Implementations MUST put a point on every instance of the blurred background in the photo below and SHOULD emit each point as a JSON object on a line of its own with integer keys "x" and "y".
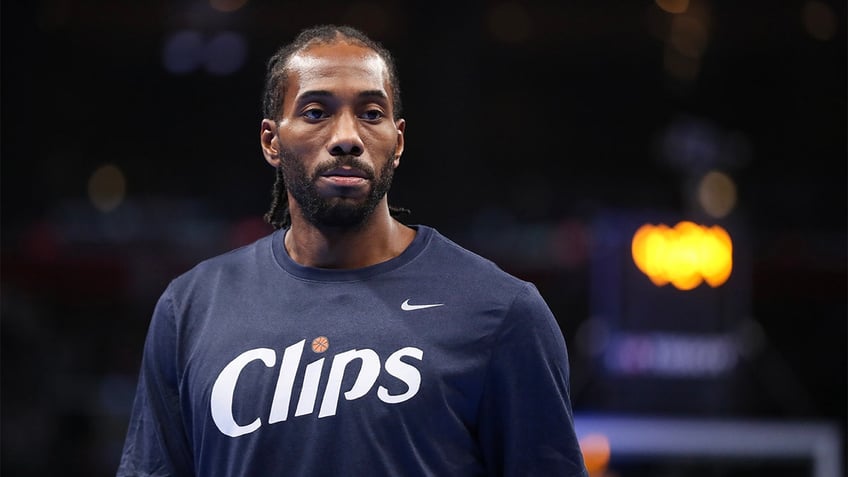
{"x": 593, "y": 148}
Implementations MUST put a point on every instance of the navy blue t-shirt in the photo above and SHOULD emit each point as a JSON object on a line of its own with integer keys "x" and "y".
{"x": 434, "y": 363}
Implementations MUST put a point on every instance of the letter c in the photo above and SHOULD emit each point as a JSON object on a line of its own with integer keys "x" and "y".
{"x": 225, "y": 386}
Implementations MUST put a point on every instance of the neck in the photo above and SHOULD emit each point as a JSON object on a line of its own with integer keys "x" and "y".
{"x": 379, "y": 239}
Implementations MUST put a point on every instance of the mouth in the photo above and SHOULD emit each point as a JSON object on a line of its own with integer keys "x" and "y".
{"x": 345, "y": 177}
{"x": 345, "y": 172}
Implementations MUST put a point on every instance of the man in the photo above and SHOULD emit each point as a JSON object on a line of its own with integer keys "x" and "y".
{"x": 347, "y": 343}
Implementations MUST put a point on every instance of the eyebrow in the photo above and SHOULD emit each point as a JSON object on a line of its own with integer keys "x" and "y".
{"x": 320, "y": 93}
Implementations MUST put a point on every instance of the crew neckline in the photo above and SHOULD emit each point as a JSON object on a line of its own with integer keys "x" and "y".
{"x": 281, "y": 256}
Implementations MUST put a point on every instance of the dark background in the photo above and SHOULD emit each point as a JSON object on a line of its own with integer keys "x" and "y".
{"x": 527, "y": 121}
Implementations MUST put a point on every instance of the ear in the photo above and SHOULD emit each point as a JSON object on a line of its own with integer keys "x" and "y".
{"x": 400, "y": 124}
{"x": 270, "y": 142}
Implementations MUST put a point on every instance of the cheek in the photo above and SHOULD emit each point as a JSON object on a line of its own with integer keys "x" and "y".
{"x": 300, "y": 143}
{"x": 381, "y": 143}
{"x": 304, "y": 149}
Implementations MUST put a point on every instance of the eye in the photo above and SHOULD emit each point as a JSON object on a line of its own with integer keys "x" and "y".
{"x": 372, "y": 115}
{"x": 314, "y": 114}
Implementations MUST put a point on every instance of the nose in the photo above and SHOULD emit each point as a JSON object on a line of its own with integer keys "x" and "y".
{"x": 345, "y": 139}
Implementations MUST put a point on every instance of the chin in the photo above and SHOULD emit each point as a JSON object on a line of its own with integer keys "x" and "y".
{"x": 342, "y": 214}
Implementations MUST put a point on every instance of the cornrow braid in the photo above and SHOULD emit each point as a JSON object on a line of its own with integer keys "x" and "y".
{"x": 278, "y": 216}
{"x": 399, "y": 212}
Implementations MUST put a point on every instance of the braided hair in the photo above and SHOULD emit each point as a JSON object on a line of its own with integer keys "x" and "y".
{"x": 276, "y": 77}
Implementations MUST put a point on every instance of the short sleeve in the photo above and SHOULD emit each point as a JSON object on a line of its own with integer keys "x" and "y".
{"x": 156, "y": 442}
{"x": 526, "y": 423}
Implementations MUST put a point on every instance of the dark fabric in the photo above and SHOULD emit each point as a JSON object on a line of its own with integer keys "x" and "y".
{"x": 232, "y": 385}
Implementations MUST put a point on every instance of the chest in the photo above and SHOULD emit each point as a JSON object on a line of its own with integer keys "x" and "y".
{"x": 347, "y": 355}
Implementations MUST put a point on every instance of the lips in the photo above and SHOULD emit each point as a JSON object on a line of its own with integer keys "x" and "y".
{"x": 345, "y": 177}
{"x": 345, "y": 172}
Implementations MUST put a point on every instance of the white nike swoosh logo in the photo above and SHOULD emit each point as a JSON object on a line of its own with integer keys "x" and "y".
{"x": 405, "y": 306}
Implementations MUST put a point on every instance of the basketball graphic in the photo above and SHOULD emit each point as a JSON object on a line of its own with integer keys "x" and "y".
{"x": 320, "y": 344}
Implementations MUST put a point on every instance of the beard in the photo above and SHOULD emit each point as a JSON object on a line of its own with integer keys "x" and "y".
{"x": 334, "y": 211}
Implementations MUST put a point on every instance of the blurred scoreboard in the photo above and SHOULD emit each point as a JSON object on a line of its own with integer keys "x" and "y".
{"x": 656, "y": 347}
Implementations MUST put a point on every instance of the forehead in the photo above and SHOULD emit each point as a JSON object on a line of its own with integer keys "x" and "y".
{"x": 337, "y": 68}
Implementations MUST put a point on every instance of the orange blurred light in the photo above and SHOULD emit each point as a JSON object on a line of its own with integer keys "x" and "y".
{"x": 673, "y": 6}
{"x": 717, "y": 262}
{"x": 596, "y": 453}
{"x": 683, "y": 260}
{"x": 639, "y": 247}
{"x": 686, "y": 255}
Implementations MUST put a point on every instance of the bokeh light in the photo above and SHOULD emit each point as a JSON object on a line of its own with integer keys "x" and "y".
{"x": 819, "y": 20}
{"x": 107, "y": 188}
{"x": 688, "y": 34}
{"x": 673, "y": 6}
{"x": 183, "y": 52}
{"x": 225, "y": 53}
{"x": 596, "y": 453}
{"x": 717, "y": 194}
{"x": 716, "y": 256}
{"x": 685, "y": 256}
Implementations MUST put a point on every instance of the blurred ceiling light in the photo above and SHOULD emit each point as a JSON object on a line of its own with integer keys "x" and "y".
{"x": 225, "y": 53}
{"x": 509, "y": 22}
{"x": 819, "y": 20}
{"x": 227, "y": 5}
{"x": 596, "y": 453}
{"x": 183, "y": 52}
{"x": 107, "y": 188}
{"x": 717, "y": 194}
{"x": 684, "y": 256}
{"x": 673, "y": 6}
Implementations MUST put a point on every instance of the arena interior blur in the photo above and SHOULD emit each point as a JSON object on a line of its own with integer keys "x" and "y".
{"x": 593, "y": 148}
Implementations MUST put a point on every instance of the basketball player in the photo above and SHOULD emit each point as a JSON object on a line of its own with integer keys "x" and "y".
{"x": 346, "y": 343}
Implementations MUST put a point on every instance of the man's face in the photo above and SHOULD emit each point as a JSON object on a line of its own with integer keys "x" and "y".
{"x": 336, "y": 141}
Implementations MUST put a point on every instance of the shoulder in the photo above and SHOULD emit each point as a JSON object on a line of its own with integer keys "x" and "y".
{"x": 470, "y": 264}
{"x": 474, "y": 279}
{"x": 450, "y": 256}
{"x": 246, "y": 259}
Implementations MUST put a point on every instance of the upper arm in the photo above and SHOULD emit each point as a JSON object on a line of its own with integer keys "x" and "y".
{"x": 526, "y": 424}
{"x": 156, "y": 443}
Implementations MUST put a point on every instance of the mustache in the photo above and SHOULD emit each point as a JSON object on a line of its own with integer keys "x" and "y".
{"x": 345, "y": 161}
